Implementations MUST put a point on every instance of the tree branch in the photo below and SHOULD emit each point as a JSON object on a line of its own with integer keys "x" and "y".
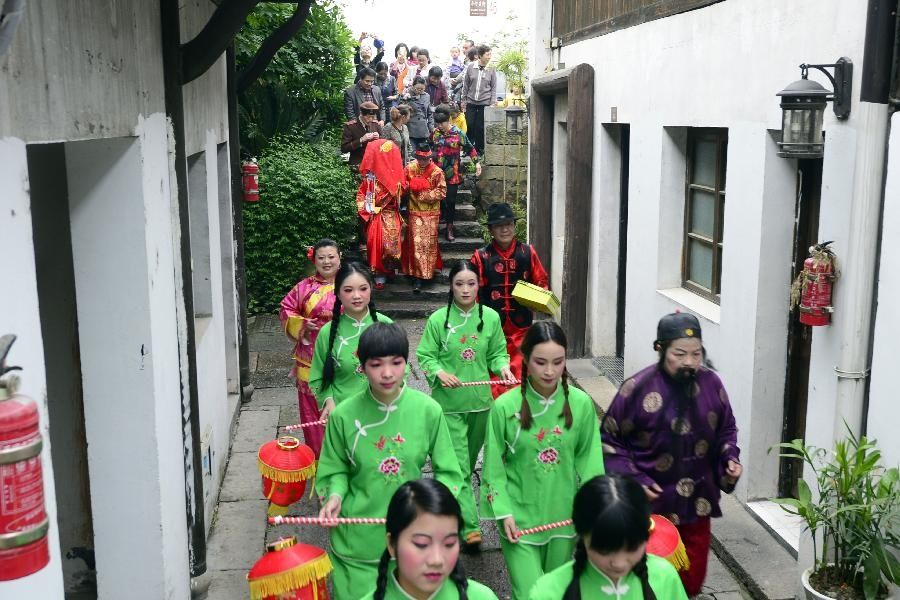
{"x": 199, "y": 54}
{"x": 273, "y": 44}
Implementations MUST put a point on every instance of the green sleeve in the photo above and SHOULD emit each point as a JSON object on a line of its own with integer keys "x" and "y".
{"x": 589, "y": 450}
{"x": 443, "y": 455}
{"x": 664, "y": 579}
{"x": 497, "y": 356}
{"x": 318, "y": 364}
{"x": 478, "y": 591}
{"x": 333, "y": 472}
{"x": 429, "y": 349}
{"x": 494, "y": 497}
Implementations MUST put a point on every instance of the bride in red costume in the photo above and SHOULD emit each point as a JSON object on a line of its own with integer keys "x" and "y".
{"x": 378, "y": 203}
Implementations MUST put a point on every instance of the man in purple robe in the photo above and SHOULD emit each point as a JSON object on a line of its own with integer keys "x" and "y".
{"x": 671, "y": 428}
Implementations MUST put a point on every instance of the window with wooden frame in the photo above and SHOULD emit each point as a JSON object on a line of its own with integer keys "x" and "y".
{"x": 704, "y": 210}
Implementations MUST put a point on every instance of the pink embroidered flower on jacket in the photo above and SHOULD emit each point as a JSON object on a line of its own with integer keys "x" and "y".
{"x": 548, "y": 456}
{"x": 467, "y": 354}
{"x": 390, "y": 466}
{"x": 380, "y": 443}
{"x": 540, "y": 435}
{"x": 556, "y": 431}
{"x": 399, "y": 438}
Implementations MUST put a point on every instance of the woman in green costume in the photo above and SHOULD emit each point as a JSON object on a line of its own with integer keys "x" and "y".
{"x": 424, "y": 524}
{"x": 375, "y": 441}
{"x": 335, "y": 373}
{"x": 612, "y": 518}
{"x": 543, "y": 440}
{"x": 464, "y": 342}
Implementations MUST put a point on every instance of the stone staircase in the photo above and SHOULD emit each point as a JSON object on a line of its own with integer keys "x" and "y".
{"x": 397, "y": 299}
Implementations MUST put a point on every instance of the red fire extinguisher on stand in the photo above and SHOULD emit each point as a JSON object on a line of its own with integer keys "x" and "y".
{"x": 813, "y": 286}
{"x": 250, "y": 180}
{"x": 23, "y": 520}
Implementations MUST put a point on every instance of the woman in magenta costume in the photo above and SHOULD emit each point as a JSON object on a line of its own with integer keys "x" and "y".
{"x": 304, "y": 310}
{"x": 378, "y": 203}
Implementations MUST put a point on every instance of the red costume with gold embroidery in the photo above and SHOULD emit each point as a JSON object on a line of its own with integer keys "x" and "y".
{"x": 378, "y": 203}
{"x": 427, "y": 187}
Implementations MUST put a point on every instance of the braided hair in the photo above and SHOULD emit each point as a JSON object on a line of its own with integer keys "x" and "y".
{"x": 346, "y": 270}
{"x": 457, "y": 268}
{"x": 614, "y": 511}
{"x": 413, "y": 498}
{"x": 539, "y": 333}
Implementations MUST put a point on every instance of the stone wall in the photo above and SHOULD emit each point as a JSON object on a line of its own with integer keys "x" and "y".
{"x": 504, "y": 176}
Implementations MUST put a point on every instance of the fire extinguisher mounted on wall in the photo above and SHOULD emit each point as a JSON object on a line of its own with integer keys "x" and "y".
{"x": 812, "y": 289}
{"x": 250, "y": 180}
{"x": 23, "y": 520}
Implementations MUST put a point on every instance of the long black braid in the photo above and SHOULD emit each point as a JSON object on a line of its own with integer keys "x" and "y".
{"x": 641, "y": 571}
{"x": 573, "y": 592}
{"x": 458, "y": 576}
{"x": 346, "y": 270}
{"x": 381, "y": 581}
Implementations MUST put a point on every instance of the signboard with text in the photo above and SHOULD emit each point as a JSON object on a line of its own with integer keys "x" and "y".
{"x": 478, "y": 8}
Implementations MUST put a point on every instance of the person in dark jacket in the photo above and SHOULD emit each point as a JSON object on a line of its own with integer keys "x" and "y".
{"x": 436, "y": 89}
{"x": 363, "y": 90}
{"x": 421, "y": 124}
{"x": 357, "y": 133}
{"x": 388, "y": 86}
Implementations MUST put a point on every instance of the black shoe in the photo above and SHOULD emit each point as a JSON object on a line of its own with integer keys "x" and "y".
{"x": 417, "y": 286}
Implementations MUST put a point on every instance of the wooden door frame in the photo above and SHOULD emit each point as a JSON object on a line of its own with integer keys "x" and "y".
{"x": 578, "y": 84}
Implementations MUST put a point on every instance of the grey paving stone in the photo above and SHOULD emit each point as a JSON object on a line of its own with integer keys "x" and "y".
{"x": 270, "y": 379}
{"x": 229, "y": 585}
{"x": 256, "y": 427}
{"x": 290, "y": 415}
{"x": 242, "y": 479}
{"x": 236, "y": 541}
{"x": 280, "y": 396}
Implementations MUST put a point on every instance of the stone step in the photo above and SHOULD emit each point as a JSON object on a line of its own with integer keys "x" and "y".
{"x": 464, "y": 229}
{"x": 402, "y": 309}
{"x": 461, "y": 243}
{"x": 464, "y": 212}
{"x": 401, "y": 289}
{"x": 450, "y": 256}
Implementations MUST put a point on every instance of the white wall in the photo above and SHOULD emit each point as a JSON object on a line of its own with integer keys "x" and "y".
{"x": 124, "y": 262}
{"x": 560, "y": 174}
{"x": 19, "y": 315}
{"x": 882, "y": 393}
{"x": 721, "y": 66}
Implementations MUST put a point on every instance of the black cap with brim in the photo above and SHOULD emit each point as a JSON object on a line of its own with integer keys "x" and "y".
{"x": 500, "y": 212}
{"x": 677, "y": 326}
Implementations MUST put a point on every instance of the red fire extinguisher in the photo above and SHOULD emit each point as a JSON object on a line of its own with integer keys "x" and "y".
{"x": 23, "y": 520}
{"x": 815, "y": 283}
{"x": 250, "y": 180}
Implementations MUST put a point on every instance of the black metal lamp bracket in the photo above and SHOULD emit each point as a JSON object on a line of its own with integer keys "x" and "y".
{"x": 841, "y": 82}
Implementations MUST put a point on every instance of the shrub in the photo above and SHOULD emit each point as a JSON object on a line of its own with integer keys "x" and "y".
{"x": 306, "y": 193}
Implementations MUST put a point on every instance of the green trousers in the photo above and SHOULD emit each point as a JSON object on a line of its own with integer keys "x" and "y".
{"x": 352, "y": 579}
{"x": 526, "y": 563}
{"x": 467, "y": 431}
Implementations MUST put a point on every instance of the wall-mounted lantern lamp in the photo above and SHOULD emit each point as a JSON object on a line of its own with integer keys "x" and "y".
{"x": 803, "y": 108}
{"x": 514, "y": 117}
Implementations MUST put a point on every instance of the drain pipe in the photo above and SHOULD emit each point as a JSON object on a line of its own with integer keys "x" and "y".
{"x": 187, "y": 345}
{"x": 860, "y": 273}
{"x": 890, "y": 88}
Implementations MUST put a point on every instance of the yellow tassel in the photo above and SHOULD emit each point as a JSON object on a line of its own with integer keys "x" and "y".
{"x": 277, "y": 511}
{"x": 283, "y": 476}
{"x": 299, "y": 577}
{"x": 679, "y": 558}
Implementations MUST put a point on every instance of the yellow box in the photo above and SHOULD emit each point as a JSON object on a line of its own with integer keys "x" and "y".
{"x": 536, "y": 297}
{"x": 294, "y": 324}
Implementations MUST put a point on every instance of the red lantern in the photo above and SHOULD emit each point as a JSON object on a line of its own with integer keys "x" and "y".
{"x": 290, "y": 571}
{"x": 250, "y": 180}
{"x": 285, "y": 465}
{"x": 23, "y": 520}
{"x": 665, "y": 541}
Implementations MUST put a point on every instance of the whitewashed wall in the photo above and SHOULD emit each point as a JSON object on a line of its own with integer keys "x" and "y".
{"x": 719, "y": 66}
{"x": 19, "y": 315}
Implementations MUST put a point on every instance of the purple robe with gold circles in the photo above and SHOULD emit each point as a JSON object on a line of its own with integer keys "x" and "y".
{"x": 658, "y": 431}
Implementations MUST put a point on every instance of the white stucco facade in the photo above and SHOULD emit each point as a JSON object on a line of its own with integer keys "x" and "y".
{"x": 720, "y": 67}
{"x": 100, "y": 97}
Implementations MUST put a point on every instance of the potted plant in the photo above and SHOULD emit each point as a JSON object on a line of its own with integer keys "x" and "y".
{"x": 853, "y": 516}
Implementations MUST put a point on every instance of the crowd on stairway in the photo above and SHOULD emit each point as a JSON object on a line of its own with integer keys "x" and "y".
{"x": 414, "y": 132}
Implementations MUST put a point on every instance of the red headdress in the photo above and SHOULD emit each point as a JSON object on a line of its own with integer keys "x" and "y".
{"x": 382, "y": 159}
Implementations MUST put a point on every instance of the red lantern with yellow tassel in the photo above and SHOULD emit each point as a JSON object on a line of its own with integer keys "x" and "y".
{"x": 665, "y": 541}
{"x": 285, "y": 464}
{"x": 290, "y": 571}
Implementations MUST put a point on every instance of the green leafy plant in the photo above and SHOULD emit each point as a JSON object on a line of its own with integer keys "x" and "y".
{"x": 513, "y": 63}
{"x": 853, "y": 516}
{"x": 301, "y": 91}
{"x": 306, "y": 194}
